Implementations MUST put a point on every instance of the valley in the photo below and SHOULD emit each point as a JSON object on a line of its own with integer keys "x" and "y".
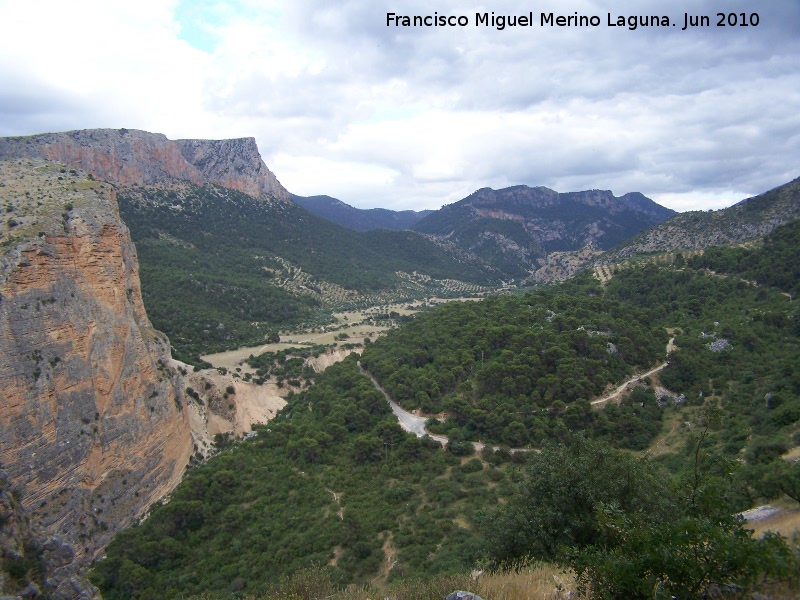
{"x": 250, "y": 421}
{"x": 348, "y": 329}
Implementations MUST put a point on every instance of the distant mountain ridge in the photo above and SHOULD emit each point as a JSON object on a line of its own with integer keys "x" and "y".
{"x": 360, "y": 219}
{"x": 695, "y": 230}
{"x": 516, "y": 227}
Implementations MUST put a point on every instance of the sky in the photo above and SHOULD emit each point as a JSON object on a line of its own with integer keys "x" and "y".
{"x": 378, "y": 115}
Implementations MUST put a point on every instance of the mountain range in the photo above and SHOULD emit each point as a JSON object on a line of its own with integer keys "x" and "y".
{"x": 358, "y": 218}
{"x": 94, "y": 422}
{"x": 513, "y": 229}
{"x": 214, "y": 229}
{"x": 517, "y": 227}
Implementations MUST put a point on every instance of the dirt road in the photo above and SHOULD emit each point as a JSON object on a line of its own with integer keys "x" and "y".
{"x": 635, "y": 379}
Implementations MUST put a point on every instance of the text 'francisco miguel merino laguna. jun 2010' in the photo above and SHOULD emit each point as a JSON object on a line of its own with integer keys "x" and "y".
{"x": 552, "y": 20}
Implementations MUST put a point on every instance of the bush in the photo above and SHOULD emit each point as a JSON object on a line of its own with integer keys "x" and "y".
{"x": 472, "y": 466}
{"x": 613, "y": 520}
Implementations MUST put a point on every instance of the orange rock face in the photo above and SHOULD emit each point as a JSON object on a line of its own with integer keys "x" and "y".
{"x": 131, "y": 157}
{"x": 93, "y": 427}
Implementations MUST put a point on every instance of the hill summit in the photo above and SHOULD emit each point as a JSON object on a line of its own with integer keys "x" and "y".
{"x": 515, "y": 228}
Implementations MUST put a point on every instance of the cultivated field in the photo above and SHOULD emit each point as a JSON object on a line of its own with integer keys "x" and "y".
{"x": 350, "y": 327}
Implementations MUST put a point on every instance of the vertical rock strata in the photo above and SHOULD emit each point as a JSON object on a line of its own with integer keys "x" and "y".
{"x": 93, "y": 427}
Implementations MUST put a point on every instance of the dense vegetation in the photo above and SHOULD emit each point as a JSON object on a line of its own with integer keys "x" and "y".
{"x": 517, "y": 370}
{"x": 331, "y": 480}
{"x": 520, "y": 370}
{"x": 211, "y": 260}
{"x": 774, "y": 264}
{"x": 738, "y": 351}
{"x": 628, "y": 530}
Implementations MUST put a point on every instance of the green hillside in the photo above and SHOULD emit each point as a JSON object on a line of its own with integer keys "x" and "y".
{"x": 516, "y": 370}
{"x": 358, "y": 218}
{"x": 333, "y": 484}
{"x": 746, "y": 220}
{"x": 774, "y": 264}
{"x": 333, "y": 480}
{"x": 219, "y": 269}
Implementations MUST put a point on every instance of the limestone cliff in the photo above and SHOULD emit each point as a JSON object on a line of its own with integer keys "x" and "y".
{"x": 130, "y": 157}
{"x": 93, "y": 427}
{"x": 33, "y": 564}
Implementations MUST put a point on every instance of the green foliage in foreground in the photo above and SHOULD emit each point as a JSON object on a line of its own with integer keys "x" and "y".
{"x": 268, "y": 507}
{"x": 331, "y": 480}
{"x": 315, "y": 582}
{"x": 628, "y": 531}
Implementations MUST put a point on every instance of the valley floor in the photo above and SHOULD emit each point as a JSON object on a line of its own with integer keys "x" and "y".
{"x": 351, "y": 326}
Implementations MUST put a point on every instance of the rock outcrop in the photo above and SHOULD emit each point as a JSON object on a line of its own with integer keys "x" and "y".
{"x": 32, "y": 564}
{"x": 93, "y": 424}
{"x": 130, "y": 157}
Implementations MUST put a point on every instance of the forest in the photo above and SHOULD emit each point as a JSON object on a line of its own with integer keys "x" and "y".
{"x": 329, "y": 481}
{"x": 334, "y": 481}
{"x": 773, "y": 264}
{"x": 516, "y": 370}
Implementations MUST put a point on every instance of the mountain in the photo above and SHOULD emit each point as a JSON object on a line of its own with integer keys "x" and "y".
{"x": 358, "y": 218}
{"x": 748, "y": 219}
{"x": 93, "y": 427}
{"x": 226, "y": 256}
{"x": 129, "y": 157}
{"x": 517, "y": 227}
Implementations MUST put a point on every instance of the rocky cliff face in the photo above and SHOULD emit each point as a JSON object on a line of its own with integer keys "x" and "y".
{"x": 93, "y": 426}
{"x": 33, "y": 564}
{"x": 130, "y": 157}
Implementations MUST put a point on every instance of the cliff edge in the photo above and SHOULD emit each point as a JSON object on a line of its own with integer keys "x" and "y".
{"x": 93, "y": 426}
{"x": 129, "y": 157}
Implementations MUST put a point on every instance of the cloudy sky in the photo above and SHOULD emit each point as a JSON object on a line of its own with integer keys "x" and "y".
{"x": 416, "y": 117}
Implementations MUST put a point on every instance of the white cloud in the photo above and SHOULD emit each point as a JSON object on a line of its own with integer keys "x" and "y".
{"x": 341, "y": 176}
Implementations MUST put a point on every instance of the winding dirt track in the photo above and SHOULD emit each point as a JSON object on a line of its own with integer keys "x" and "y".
{"x": 410, "y": 422}
{"x": 620, "y": 388}
{"x": 416, "y": 425}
